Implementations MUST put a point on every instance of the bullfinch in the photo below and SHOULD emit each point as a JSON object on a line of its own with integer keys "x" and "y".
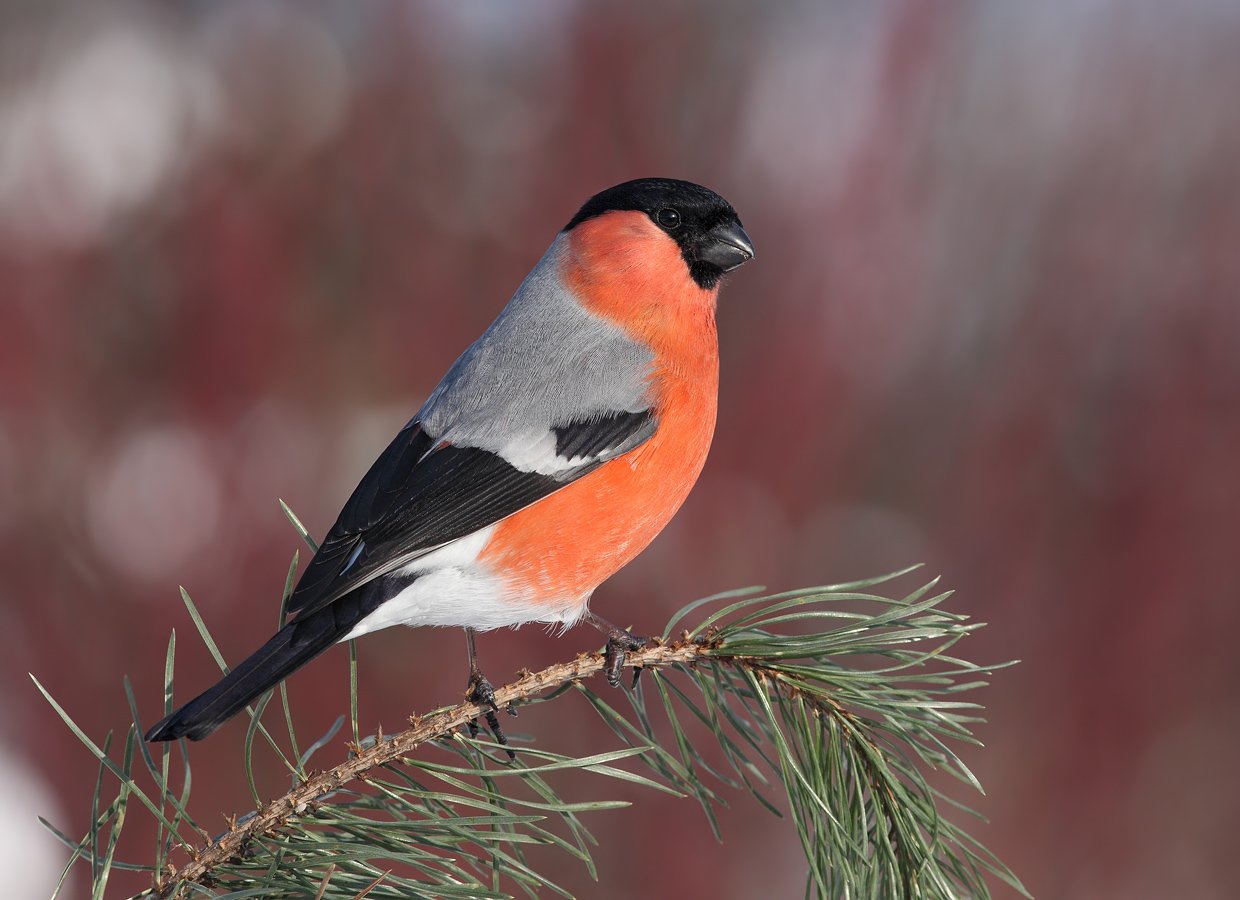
{"x": 556, "y": 448}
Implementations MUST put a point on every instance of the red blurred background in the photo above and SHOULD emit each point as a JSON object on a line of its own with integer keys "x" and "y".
{"x": 993, "y": 325}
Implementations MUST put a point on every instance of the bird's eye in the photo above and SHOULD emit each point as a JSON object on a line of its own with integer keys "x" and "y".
{"x": 668, "y": 218}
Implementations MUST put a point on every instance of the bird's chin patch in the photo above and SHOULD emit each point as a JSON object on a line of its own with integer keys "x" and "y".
{"x": 705, "y": 275}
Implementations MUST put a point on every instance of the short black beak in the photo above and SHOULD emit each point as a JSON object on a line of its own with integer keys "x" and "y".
{"x": 726, "y": 246}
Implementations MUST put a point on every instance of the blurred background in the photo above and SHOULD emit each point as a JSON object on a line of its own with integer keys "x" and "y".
{"x": 993, "y": 325}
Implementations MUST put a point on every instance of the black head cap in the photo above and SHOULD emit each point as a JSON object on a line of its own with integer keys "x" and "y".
{"x": 703, "y": 224}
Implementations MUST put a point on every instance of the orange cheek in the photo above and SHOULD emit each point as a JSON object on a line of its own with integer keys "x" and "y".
{"x": 626, "y": 269}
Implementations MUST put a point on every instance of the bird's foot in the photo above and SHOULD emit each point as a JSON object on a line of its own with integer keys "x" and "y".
{"x": 482, "y": 692}
{"x": 619, "y": 642}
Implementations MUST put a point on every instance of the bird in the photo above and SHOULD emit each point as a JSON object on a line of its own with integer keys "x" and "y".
{"x": 554, "y": 450}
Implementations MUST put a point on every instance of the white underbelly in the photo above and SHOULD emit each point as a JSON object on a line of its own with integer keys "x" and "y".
{"x": 453, "y": 588}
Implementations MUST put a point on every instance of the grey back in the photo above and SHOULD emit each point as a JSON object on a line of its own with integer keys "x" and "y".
{"x": 546, "y": 361}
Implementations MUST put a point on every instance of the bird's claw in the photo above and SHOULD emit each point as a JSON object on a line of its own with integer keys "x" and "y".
{"x": 482, "y": 692}
{"x": 618, "y": 644}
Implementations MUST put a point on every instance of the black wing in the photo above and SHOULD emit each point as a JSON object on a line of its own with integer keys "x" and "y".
{"x": 595, "y": 436}
{"x": 420, "y": 495}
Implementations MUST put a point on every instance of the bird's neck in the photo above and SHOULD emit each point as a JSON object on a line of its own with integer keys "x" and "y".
{"x": 642, "y": 286}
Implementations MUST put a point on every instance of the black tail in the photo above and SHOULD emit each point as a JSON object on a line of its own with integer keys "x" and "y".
{"x": 292, "y": 647}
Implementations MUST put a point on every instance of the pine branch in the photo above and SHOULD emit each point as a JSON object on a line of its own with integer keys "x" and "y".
{"x": 391, "y": 749}
{"x": 845, "y": 697}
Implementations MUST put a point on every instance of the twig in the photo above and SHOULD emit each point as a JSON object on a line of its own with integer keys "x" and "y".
{"x": 296, "y": 801}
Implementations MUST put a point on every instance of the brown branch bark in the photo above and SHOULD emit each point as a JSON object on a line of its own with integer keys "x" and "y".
{"x": 421, "y": 730}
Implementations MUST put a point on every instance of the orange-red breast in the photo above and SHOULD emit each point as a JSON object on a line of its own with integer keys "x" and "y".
{"x": 554, "y": 450}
